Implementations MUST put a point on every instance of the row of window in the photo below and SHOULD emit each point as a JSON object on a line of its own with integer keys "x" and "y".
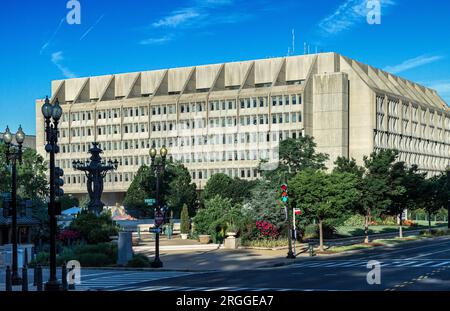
{"x": 219, "y": 139}
{"x": 392, "y": 110}
{"x": 253, "y": 102}
{"x": 195, "y": 174}
{"x": 279, "y": 118}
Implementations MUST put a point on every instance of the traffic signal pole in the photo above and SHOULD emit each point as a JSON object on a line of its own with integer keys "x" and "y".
{"x": 284, "y": 199}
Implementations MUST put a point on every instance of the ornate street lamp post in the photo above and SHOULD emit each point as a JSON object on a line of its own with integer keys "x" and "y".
{"x": 14, "y": 154}
{"x": 448, "y": 196}
{"x": 158, "y": 170}
{"x": 95, "y": 171}
{"x": 52, "y": 114}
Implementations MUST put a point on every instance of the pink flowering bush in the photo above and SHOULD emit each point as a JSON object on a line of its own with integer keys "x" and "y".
{"x": 267, "y": 230}
{"x": 66, "y": 236}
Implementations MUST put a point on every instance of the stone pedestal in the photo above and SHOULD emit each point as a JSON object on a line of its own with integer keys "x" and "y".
{"x": 232, "y": 242}
{"x": 124, "y": 248}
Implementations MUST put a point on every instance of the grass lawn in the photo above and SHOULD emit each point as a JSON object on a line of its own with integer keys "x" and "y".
{"x": 349, "y": 231}
{"x": 375, "y": 243}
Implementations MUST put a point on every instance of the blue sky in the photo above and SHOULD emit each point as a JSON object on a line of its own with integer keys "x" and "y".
{"x": 38, "y": 45}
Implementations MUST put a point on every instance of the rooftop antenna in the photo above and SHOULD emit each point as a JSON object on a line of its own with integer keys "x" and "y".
{"x": 308, "y": 48}
{"x": 289, "y": 51}
{"x": 316, "y": 49}
{"x": 304, "y": 48}
{"x": 293, "y": 41}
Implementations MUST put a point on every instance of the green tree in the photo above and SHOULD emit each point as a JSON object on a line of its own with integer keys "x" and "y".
{"x": 68, "y": 201}
{"x": 218, "y": 215}
{"x": 405, "y": 189}
{"x": 235, "y": 189}
{"x": 264, "y": 204}
{"x": 375, "y": 185}
{"x": 139, "y": 190}
{"x": 345, "y": 165}
{"x": 31, "y": 174}
{"x": 184, "y": 227}
{"x": 218, "y": 184}
{"x": 295, "y": 155}
{"x": 433, "y": 197}
{"x": 176, "y": 189}
{"x": 181, "y": 190}
{"x": 324, "y": 196}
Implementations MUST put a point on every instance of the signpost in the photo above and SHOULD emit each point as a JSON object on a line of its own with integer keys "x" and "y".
{"x": 150, "y": 202}
{"x": 296, "y": 212}
{"x": 156, "y": 230}
{"x": 159, "y": 218}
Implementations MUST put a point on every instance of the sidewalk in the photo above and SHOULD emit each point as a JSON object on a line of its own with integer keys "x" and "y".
{"x": 188, "y": 255}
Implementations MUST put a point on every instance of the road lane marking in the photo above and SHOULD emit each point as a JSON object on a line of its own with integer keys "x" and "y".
{"x": 441, "y": 264}
{"x": 405, "y": 264}
{"x": 423, "y": 264}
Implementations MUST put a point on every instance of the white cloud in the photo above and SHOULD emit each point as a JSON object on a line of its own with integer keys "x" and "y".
{"x": 347, "y": 15}
{"x": 413, "y": 63}
{"x": 199, "y": 14}
{"x": 57, "y": 59}
{"x": 156, "y": 41}
{"x": 177, "y": 18}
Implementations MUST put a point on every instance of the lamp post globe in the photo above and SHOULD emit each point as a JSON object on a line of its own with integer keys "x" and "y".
{"x": 57, "y": 111}
{"x": 20, "y": 136}
{"x": 152, "y": 152}
{"x": 163, "y": 151}
{"x": 47, "y": 109}
{"x": 7, "y": 137}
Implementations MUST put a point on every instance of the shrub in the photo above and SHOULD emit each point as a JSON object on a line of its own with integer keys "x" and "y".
{"x": 354, "y": 221}
{"x": 139, "y": 261}
{"x": 67, "y": 236}
{"x": 184, "y": 226}
{"x": 267, "y": 230}
{"x": 88, "y": 256}
{"x": 409, "y": 223}
{"x": 42, "y": 258}
{"x": 95, "y": 260}
{"x": 215, "y": 217}
{"x": 311, "y": 231}
{"x": 267, "y": 243}
{"x": 94, "y": 229}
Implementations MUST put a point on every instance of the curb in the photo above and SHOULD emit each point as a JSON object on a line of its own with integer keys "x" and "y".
{"x": 142, "y": 269}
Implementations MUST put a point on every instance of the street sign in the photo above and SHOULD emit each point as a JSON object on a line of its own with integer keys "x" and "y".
{"x": 159, "y": 218}
{"x": 150, "y": 202}
{"x": 297, "y": 211}
{"x": 156, "y": 230}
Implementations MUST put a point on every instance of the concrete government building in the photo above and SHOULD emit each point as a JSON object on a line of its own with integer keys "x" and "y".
{"x": 226, "y": 117}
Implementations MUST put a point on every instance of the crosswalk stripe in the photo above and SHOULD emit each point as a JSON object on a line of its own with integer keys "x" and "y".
{"x": 441, "y": 264}
{"x": 405, "y": 264}
{"x": 423, "y": 264}
{"x": 336, "y": 264}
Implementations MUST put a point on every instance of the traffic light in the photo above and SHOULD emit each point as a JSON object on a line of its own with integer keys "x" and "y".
{"x": 59, "y": 182}
{"x": 284, "y": 194}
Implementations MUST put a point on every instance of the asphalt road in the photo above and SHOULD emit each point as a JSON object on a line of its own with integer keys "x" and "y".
{"x": 421, "y": 265}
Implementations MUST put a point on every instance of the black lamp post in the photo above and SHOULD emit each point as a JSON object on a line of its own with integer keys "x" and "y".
{"x": 14, "y": 154}
{"x": 158, "y": 170}
{"x": 448, "y": 196}
{"x": 52, "y": 114}
{"x": 95, "y": 171}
